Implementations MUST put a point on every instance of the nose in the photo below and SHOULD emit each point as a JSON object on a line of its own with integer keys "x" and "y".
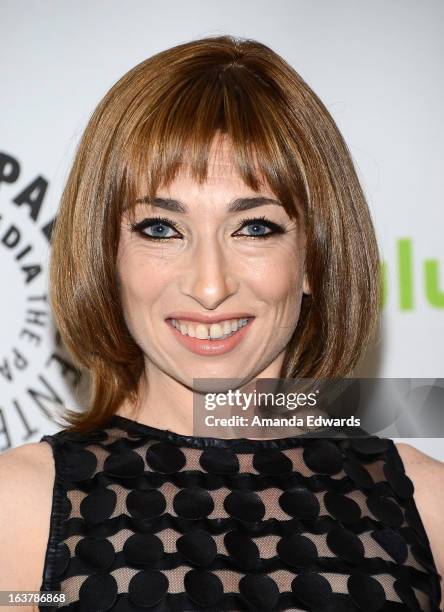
{"x": 208, "y": 278}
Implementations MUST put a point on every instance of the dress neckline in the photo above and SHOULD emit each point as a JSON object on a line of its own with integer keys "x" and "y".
{"x": 142, "y": 429}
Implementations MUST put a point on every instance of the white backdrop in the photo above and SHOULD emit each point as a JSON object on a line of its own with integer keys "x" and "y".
{"x": 377, "y": 67}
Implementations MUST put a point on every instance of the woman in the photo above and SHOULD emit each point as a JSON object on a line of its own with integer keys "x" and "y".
{"x": 213, "y": 226}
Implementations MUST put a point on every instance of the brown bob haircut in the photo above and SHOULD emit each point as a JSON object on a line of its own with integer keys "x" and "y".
{"x": 164, "y": 111}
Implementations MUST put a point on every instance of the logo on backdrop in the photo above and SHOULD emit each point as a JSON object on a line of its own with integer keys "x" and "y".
{"x": 36, "y": 375}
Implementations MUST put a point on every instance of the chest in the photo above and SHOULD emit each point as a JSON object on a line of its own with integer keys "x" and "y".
{"x": 151, "y": 523}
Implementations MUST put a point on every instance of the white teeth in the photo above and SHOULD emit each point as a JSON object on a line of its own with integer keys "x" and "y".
{"x": 217, "y": 331}
{"x": 223, "y": 329}
{"x": 227, "y": 328}
{"x": 201, "y": 331}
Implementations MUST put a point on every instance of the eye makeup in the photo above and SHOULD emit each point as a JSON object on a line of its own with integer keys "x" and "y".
{"x": 150, "y": 222}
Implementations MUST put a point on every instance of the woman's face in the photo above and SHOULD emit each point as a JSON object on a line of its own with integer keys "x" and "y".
{"x": 210, "y": 262}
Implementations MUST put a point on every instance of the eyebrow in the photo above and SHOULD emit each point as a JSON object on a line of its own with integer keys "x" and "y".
{"x": 237, "y": 205}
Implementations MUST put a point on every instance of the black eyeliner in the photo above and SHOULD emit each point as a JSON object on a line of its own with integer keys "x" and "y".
{"x": 276, "y": 227}
{"x": 152, "y": 221}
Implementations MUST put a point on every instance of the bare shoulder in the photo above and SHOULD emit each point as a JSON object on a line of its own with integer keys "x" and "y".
{"x": 26, "y": 483}
{"x": 31, "y": 454}
{"x": 427, "y": 475}
{"x": 413, "y": 453}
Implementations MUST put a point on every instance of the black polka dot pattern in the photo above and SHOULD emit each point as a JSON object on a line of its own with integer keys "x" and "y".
{"x": 407, "y": 595}
{"x": 219, "y": 460}
{"x": 165, "y": 457}
{"x": 393, "y": 543}
{"x": 148, "y": 587}
{"x": 198, "y": 547}
{"x": 204, "y": 587}
{"x": 386, "y": 510}
{"x": 79, "y": 465}
{"x": 245, "y": 505}
{"x": 297, "y": 550}
{"x": 98, "y": 553}
{"x": 98, "y": 588}
{"x": 343, "y": 508}
{"x": 193, "y": 503}
{"x": 143, "y": 548}
{"x": 98, "y": 505}
{"x": 366, "y": 592}
{"x": 300, "y": 503}
{"x": 345, "y": 544}
{"x": 145, "y": 519}
{"x": 242, "y": 549}
{"x": 400, "y": 483}
{"x": 260, "y": 591}
{"x": 312, "y": 589}
{"x": 127, "y": 464}
{"x": 145, "y": 503}
{"x": 268, "y": 461}
{"x": 358, "y": 474}
{"x": 323, "y": 457}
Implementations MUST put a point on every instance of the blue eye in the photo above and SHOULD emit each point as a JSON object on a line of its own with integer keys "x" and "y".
{"x": 159, "y": 230}
{"x": 159, "y": 227}
{"x": 255, "y": 225}
{"x": 258, "y": 225}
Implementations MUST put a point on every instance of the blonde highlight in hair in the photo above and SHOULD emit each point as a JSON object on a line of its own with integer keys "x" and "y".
{"x": 165, "y": 112}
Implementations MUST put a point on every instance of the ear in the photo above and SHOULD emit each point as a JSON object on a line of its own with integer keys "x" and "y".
{"x": 305, "y": 286}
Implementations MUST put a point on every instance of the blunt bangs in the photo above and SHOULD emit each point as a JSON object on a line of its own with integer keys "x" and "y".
{"x": 180, "y": 132}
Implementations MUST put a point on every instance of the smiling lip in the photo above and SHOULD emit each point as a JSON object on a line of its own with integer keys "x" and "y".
{"x": 207, "y": 318}
{"x": 211, "y": 348}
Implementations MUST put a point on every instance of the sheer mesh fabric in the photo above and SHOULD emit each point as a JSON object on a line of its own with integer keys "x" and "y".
{"x": 148, "y": 519}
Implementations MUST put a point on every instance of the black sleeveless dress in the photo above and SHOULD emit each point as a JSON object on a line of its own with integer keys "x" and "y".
{"x": 147, "y": 519}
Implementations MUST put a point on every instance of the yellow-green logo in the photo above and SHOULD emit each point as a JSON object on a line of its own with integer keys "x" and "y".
{"x": 405, "y": 278}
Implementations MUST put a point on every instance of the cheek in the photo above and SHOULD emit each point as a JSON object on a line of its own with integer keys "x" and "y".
{"x": 278, "y": 275}
{"x": 141, "y": 282}
{"x": 137, "y": 295}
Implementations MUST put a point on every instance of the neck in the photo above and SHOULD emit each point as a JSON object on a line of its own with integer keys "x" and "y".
{"x": 166, "y": 403}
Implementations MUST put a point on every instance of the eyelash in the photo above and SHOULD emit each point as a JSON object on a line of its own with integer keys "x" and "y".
{"x": 152, "y": 221}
